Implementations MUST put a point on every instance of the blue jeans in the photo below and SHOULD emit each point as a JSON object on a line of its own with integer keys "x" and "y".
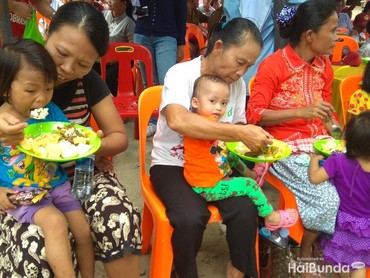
{"x": 163, "y": 50}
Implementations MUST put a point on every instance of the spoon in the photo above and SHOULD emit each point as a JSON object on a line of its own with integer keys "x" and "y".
{"x": 336, "y": 131}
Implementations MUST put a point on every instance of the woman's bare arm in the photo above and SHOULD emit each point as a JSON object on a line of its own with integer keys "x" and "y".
{"x": 190, "y": 124}
{"x": 322, "y": 110}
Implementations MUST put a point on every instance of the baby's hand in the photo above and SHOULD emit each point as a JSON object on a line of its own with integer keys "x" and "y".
{"x": 4, "y": 201}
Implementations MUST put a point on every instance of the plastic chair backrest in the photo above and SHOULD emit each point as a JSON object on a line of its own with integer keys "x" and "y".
{"x": 193, "y": 29}
{"x": 347, "y": 87}
{"x": 127, "y": 54}
{"x": 154, "y": 213}
{"x": 340, "y": 44}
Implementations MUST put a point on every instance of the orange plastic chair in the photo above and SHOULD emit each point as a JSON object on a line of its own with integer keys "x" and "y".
{"x": 347, "y": 87}
{"x": 193, "y": 29}
{"x": 342, "y": 30}
{"x": 154, "y": 219}
{"x": 340, "y": 44}
{"x": 127, "y": 54}
{"x": 287, "y": 200}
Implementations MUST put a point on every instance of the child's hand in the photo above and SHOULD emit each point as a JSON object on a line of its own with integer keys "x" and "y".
{"x": 316, "y": 157}
{"x": 4, "y": 201}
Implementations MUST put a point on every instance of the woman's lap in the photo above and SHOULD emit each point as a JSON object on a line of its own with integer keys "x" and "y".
{"x": 317, "y": 203}
{"x": 114, "y": 220}
{"x": 115, "y": 224}
{"x": 22, "y": 250}
{"x": 239, "y": 214}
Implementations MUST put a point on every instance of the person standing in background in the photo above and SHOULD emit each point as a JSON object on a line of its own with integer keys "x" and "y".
{"x": 5, "y": 29}
{"x": 21, "y": 11}
{"x": 160, "y": 27}
{"x": 121, "y": 29}
{"x": 206, "y": 8}
{"x": 261, "y": 13}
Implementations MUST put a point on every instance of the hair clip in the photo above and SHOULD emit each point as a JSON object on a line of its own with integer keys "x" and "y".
{"x": 286, "y": 14}
{"x": 223, "y": 25}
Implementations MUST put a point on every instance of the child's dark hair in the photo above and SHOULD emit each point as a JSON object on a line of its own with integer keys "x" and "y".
{"x": 366, "y": 80}
{"x": 19, "y": 53}
{"x": 209, "y": 77}
{"x": 85, "y": 17}
{"x": 357, "y": 136}
{"x": 233, "y": 32}
{"x": 310, "y": 15}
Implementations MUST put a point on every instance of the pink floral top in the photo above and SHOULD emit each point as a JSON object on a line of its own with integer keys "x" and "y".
{"x": 285, "y": 81}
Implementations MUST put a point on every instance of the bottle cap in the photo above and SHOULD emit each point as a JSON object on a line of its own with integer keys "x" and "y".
{"x": 265, "y": 232}
{"x": 284, "y": 232}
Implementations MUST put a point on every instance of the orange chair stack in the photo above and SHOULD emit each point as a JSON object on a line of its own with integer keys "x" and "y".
{"x": 193, "y": 30}
{"x": 342, "y": 42}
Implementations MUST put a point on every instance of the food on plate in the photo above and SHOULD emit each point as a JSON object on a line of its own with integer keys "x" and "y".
{"x": 244, "y": 150}
{"x": 66, "y": 141}
{"x": 39, "y": 113}
{"x": 334, "y": 146}
{"x": 274, "y": 151}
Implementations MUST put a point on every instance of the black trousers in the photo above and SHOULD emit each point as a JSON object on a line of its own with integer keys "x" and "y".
{"x": 188, "y": 215}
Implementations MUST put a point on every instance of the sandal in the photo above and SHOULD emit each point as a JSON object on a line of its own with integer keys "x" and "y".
{"x": 285, "y": 220}
{"x": 261, "y": 169}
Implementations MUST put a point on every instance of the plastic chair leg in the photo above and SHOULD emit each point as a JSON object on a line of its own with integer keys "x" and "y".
{"x": 147, "y": 229}
{"x": 136, "y": 134}
{"x": 162, "y": 256}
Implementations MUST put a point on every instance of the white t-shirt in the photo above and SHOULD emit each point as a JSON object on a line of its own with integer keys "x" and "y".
{"x": 178, "y": 89}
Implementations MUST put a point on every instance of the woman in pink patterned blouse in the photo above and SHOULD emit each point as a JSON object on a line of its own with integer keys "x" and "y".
{"x": 291, "y": 98}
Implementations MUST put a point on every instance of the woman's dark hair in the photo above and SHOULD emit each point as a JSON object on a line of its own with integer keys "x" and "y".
{"x": 357, "y": 136}
{"x": 85, "y": 17}
{"x": 233, "y": 33}
{"x": 310, "y": 15}
{"x": 366, "y": 79}
{"x": 21, "y": 53}
{"x": 366, "y": 8}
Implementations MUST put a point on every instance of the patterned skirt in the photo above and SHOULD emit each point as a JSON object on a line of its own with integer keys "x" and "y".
{"x": 317, "y": 203}
{"x": 350, "y": 243}
{"x": 114, "y": 221}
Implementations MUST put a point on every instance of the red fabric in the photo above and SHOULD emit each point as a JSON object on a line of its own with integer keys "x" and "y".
{"x": 285, "y": 81}
{"x": 18, "y": 23}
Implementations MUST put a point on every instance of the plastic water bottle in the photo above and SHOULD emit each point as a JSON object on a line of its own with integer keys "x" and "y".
{"x": 83, "y": 180}
{"x": 279, "y": 237}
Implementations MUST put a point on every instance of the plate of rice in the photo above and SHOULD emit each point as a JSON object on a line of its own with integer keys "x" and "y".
{"x": 59, "y": 141}
{"x": 327, "y": 146}
{"x": 278, "y": 150}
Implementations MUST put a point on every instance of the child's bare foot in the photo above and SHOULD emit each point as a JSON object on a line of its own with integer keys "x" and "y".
{"x": 281, "y": 219}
